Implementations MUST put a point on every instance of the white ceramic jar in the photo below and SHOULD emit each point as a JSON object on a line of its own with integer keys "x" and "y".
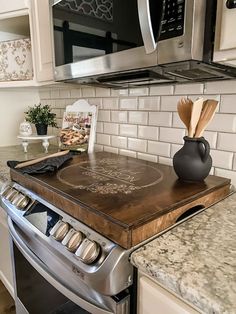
{"x": 25, "y": 129}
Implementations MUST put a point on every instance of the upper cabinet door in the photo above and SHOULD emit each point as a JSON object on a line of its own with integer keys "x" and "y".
{"x": 15, "y": 5}
{"x": 225, "y": 42}
{"x": 41, "y": 38}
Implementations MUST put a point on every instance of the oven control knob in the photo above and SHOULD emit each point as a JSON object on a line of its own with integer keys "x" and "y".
{"x": 5, "y": 190}
{"x": 11, "y": 194}
{"x": 88, "y": 251}
{"x": 20, "y": 201}
{"x": 60, "y": 230}
{"x": 75, "y": 241}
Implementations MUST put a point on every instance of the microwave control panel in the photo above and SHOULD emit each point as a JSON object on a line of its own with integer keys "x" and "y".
{"x": 173, "y": 20}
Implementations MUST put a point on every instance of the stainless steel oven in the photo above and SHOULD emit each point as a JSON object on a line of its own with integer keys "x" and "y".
{"x": 116, "y": 43}
{"x": 62, "y": 266}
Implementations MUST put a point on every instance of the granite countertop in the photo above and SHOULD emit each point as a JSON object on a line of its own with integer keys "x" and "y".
{"x": 197, "y": 259}
{"x": 16, "y": 153}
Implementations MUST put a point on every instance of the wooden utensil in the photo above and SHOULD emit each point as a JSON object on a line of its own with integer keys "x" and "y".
{"x": 184, "y": 108}
{"x": 208, "y": 111}
{"x": 35, "y": 161}
{"x": 195, "y": 115}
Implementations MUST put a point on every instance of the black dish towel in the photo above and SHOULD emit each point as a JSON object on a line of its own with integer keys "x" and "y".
{"x": 48, "y": 165}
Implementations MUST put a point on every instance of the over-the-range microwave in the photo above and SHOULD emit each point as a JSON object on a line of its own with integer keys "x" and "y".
{"x": 123, "y": 43}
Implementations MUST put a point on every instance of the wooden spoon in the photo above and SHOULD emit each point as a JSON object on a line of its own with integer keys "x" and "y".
{"x": 184, "y": 108}
{"x": 196, "y": 113}
{"x": 208, "y": 111}
{"x": 35, "y": 161}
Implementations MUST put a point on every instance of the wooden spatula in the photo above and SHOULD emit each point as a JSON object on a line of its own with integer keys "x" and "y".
{"x": 35, "y": 161}
{"x": 196, "y": 113}
{"x": 184, "y": 108}
{"x": 208, "y": 111}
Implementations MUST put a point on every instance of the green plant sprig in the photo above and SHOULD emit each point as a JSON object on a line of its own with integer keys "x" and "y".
{"x": 41, "y": 114}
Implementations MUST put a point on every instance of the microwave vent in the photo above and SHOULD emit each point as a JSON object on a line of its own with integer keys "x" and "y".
{"x": 196, "y": 74}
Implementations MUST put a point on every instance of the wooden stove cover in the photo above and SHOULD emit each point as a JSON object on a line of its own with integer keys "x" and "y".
{"x": 125, "y": 199}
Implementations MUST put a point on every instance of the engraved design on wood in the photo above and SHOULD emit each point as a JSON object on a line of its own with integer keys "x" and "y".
{"x": 109, "y": 176}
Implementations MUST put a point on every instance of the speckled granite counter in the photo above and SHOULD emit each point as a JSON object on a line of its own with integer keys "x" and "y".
{"x": 16, "y": 153}
{"x": 197, "y": 259}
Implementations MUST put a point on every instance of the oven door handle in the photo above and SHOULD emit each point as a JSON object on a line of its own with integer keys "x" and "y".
{"x": 43, "y": 270}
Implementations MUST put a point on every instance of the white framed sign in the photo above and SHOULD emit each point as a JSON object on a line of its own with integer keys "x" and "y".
{"x": 79, "y": 127}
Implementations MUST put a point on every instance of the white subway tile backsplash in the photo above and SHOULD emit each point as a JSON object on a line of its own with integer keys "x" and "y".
{"x": 148, "y": 132}
{"x": 129, "y": 103}
{"x": 160, "y": 118}
{"x": 220, "y": 87}
{"x": 103, "y": 139}
{"x": 171, "y": 135}
{"x": 64, "y": 93}
{"x": 99, "y": 127}
{"x": 162, "y": 90}
{"x": 111, "y": 128}
{"x": 149, "y": 103}
{"x": 102, "y": 92}
{"x": 104, "y": 115}
{"x": 119, "y": 141}
{"x": 110, "y": 103}
{"x": 119, "y": 116}
{"x": 228, "y": 104}
{"x": 138, "y": 117}
{"x": 75, "y": 93}
{"x": 166, "y": 161}
{"x": 227, "y": 141}
{"x": 148, "y": 157}
{"x": 223, "y": 123}
{"x": 222, "y": 159}
{"x": 119, "y": 92}
{"x": 110, "y": 149}
{"x": 169, "y": 103}
{"x": 139, "y": 91}
{"x": 211, "y": 137}
{"x": 177, "y": 122}
{"x": 98, "y": 148}
{"x": 144, "y": 123}
{"x": 137, "y": 144}
{"x": 226, "y": 174}
{"x": 128, "y": 130}
{"x": 88, "y": 91}
{"x": 174, "y": 149}
{"x": 159, "y": 148}
{"x": 128, "y": 153}
{"x": 189, "y": 89}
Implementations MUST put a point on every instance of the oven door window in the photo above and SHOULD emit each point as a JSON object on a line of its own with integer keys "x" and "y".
{"x": 36, "y": 294}
{"x": 92, "y": 28}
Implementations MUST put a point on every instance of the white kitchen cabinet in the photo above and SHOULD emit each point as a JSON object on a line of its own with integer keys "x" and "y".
{"x": 152, "y": 298}
{"x": 6, "y": 274}
{"x": 225, "y": 42}
{"x": 29, "y": 18}
{"x": 41, "y": 39}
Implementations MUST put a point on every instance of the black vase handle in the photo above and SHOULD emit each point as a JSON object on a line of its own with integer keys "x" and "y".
{"x": 206, "y": 150}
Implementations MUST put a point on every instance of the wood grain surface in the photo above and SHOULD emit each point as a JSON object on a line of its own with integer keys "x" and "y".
{"x": 125, "y": 199}
{"x": 7, "y": 304}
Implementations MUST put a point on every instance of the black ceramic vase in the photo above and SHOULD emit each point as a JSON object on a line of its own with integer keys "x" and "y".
{"x": 193, "y": 161}
{"x": 41, "y": 129}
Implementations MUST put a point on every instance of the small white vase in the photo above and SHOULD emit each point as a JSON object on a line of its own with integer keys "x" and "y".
{"x": 25, "y": 129}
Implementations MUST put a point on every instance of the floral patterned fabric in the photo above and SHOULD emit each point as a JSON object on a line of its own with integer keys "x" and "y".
{"x": 16, "y": 60}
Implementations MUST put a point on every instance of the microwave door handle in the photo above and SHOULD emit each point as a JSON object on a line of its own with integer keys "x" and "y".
{"x": 145, "y": 21}
{"x": 44, "y": 271}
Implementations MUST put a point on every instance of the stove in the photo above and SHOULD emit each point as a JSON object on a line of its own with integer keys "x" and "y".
{"x": 82, "y": 222}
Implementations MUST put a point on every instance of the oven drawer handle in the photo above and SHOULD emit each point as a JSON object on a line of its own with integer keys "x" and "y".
{"x": 44, "y": 272}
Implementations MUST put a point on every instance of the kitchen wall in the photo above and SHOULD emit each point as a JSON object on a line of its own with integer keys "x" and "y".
{"x": 143, "y": 122}
{"x": 13, "y": 104}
